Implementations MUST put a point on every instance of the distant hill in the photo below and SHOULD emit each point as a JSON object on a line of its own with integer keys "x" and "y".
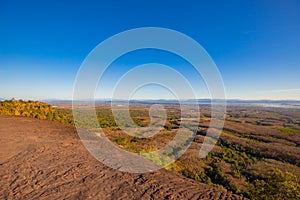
{"x": 268, "y": 103}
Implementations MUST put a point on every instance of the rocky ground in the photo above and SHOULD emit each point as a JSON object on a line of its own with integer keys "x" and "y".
{"x": 41, "y": 159}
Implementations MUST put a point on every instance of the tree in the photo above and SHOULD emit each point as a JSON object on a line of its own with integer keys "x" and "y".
{"x": 280, "y": 185}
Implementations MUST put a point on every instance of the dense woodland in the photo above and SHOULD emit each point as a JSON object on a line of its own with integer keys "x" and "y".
{"x": 34, "y": 109}
{"x": 257, "y": 156}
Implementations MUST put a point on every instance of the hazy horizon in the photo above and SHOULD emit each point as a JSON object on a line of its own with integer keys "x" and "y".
{"x": 110, "y": 99}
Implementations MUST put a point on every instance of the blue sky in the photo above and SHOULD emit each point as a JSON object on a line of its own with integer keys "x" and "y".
{"x": 255, "y": 44}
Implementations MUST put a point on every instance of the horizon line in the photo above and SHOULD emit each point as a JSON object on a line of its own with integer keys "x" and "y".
{"x": 110, "y": 99}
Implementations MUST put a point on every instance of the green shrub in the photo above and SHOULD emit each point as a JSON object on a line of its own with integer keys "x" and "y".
{"x": 33, "y": 109}
{"x": 280, "y": 185}
{"x": 289, "y": 131}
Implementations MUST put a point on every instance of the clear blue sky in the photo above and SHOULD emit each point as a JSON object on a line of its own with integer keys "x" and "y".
{"x": 255, "y": 44}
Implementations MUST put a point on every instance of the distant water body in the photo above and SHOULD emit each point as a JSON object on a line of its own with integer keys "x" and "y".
{"x": 276, "y": 105}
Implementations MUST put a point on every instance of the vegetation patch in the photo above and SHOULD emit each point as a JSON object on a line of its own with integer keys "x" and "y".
{"x": 34, "y": 109}
{"x": 289, "y": 131}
